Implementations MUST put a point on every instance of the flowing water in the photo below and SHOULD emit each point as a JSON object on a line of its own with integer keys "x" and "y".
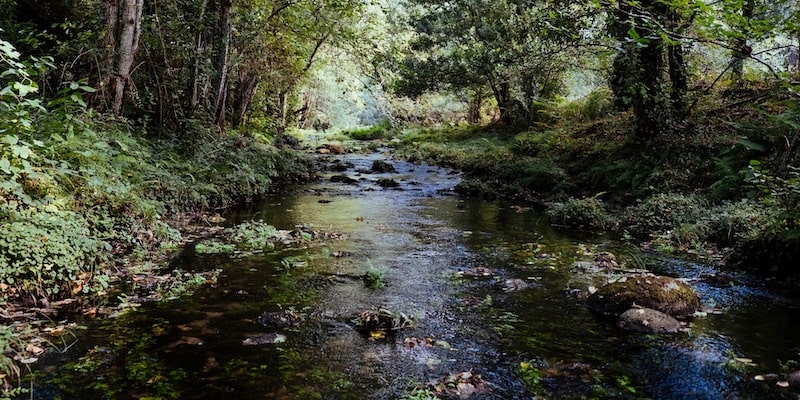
{"x": 472, "y": 333}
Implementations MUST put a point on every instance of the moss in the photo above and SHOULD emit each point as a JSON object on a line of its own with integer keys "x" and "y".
{"x": 660, "y": 293}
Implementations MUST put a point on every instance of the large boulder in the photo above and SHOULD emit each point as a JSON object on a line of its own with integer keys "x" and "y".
{"x": 648, "y": 321}
{"x": 661, "y": 293}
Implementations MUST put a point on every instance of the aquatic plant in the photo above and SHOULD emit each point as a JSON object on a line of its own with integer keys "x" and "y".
{"x": 530, "y": 374}
{"x": 254, "y": 235}
{"x": 214, "y": 247}
{"x": 374, "y": 277}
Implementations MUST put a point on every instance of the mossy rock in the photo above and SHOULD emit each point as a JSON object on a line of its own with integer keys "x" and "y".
{"x": 661, "y": 293}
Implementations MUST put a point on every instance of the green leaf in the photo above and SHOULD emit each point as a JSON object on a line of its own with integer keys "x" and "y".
{"x": 24, "y": 89}
{"x": 5, "y": 165}
{"x": 21, "y": 151}
{"x": 10, "y": 139}
{"x": 750, "y": 145}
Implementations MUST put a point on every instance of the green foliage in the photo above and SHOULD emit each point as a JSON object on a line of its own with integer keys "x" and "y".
{"x": 46, "y": 253}
{"x": 529, "y": 373}
{"x": 419, "y": 394}
{"x": 214, "y": 247}
{"x": 381, "y": 130}
{"x": 374, "y": 277}
{"x": 732, "y": 223}
{"x": 513, "y": 49}
{"x": 587, "y": 213}
{"x": 596, "y": 105}
{"x": 254, "y": 235}
{"x": 663, "y": 212}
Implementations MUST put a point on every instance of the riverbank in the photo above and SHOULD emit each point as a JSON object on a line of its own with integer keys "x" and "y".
{"x": 94, "y": 210}
{"x": 712, "y": 189}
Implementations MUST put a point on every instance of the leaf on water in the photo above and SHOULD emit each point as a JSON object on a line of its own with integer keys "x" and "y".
{"x": 433, "y": 362}
{"x": 374, "y": 335}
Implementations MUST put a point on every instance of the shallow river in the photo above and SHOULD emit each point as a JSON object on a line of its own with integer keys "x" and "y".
{"x": 470, "y": 336}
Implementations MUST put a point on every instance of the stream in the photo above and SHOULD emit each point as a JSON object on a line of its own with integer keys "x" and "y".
{"x": 466, "y": 336}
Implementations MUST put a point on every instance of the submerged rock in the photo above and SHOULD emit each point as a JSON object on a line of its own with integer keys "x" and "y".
{"x": 343, "y": 179}
{"x": 382, "y": 166}
{"x": 510, "y": 285}
{"x": 386, "y": 183}
{"x": 279, "y": 319}
{"x": 661, "y": 293}
{"x": 264, "y": 338}
{"x": 384, "y": 320}
{"x": 648, "y": 321}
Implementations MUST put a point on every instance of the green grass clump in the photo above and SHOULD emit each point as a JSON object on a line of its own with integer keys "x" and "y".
{"x": 380, "y": 130}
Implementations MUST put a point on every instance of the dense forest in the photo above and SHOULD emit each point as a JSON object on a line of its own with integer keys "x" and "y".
{"x": 676, "y": 121}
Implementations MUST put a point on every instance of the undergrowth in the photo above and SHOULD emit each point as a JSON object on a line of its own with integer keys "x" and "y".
{"x": 727, "y": 179}
{"x": 79, "y": 190}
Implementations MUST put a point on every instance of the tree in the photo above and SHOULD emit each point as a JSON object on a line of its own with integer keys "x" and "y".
{"x": 638, "y": 77}
{"x": 516, "y": 49}
{"x": 129, "y": 26}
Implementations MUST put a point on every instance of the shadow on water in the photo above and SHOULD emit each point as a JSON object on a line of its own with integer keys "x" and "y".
{"x": 536, "y": 342}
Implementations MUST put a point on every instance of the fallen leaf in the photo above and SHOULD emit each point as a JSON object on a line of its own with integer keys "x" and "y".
{"x": 34, "y": 349}
{"x": 377, "y": 335}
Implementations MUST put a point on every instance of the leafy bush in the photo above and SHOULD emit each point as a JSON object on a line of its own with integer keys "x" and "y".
{"x": 49, "y": 254}
{"x": 730, "y": 223}
{"x": 663, "y": 212}
{"x": 587, "y": 213}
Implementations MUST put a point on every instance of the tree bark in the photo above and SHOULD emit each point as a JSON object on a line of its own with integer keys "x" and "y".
{"x": 246, "y": 89}
{"x": 194, "y": 81}
{"x": 221, "y": 60}
{"x": 742, "y": 47}
{"x": 678, "y": 79}
{"x": 474, "y": 107}
{"x": 110, "y": 15}
{"x": 130, "y": 31}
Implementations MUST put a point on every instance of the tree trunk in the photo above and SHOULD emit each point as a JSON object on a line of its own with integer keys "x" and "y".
{"x": 678, "y": 79}
{"x": 246, "y": 89}
{"x": 110, "y": 14}
{"x": 651, "y": 105}
{"x": 474, "y": 107}
{"x": 509, "y": 107}
{"x": 221, "y": 62}
{"x": 130, "y": 30}
{"x": 194, "y": 81}
{"x": 742, "y": 47}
